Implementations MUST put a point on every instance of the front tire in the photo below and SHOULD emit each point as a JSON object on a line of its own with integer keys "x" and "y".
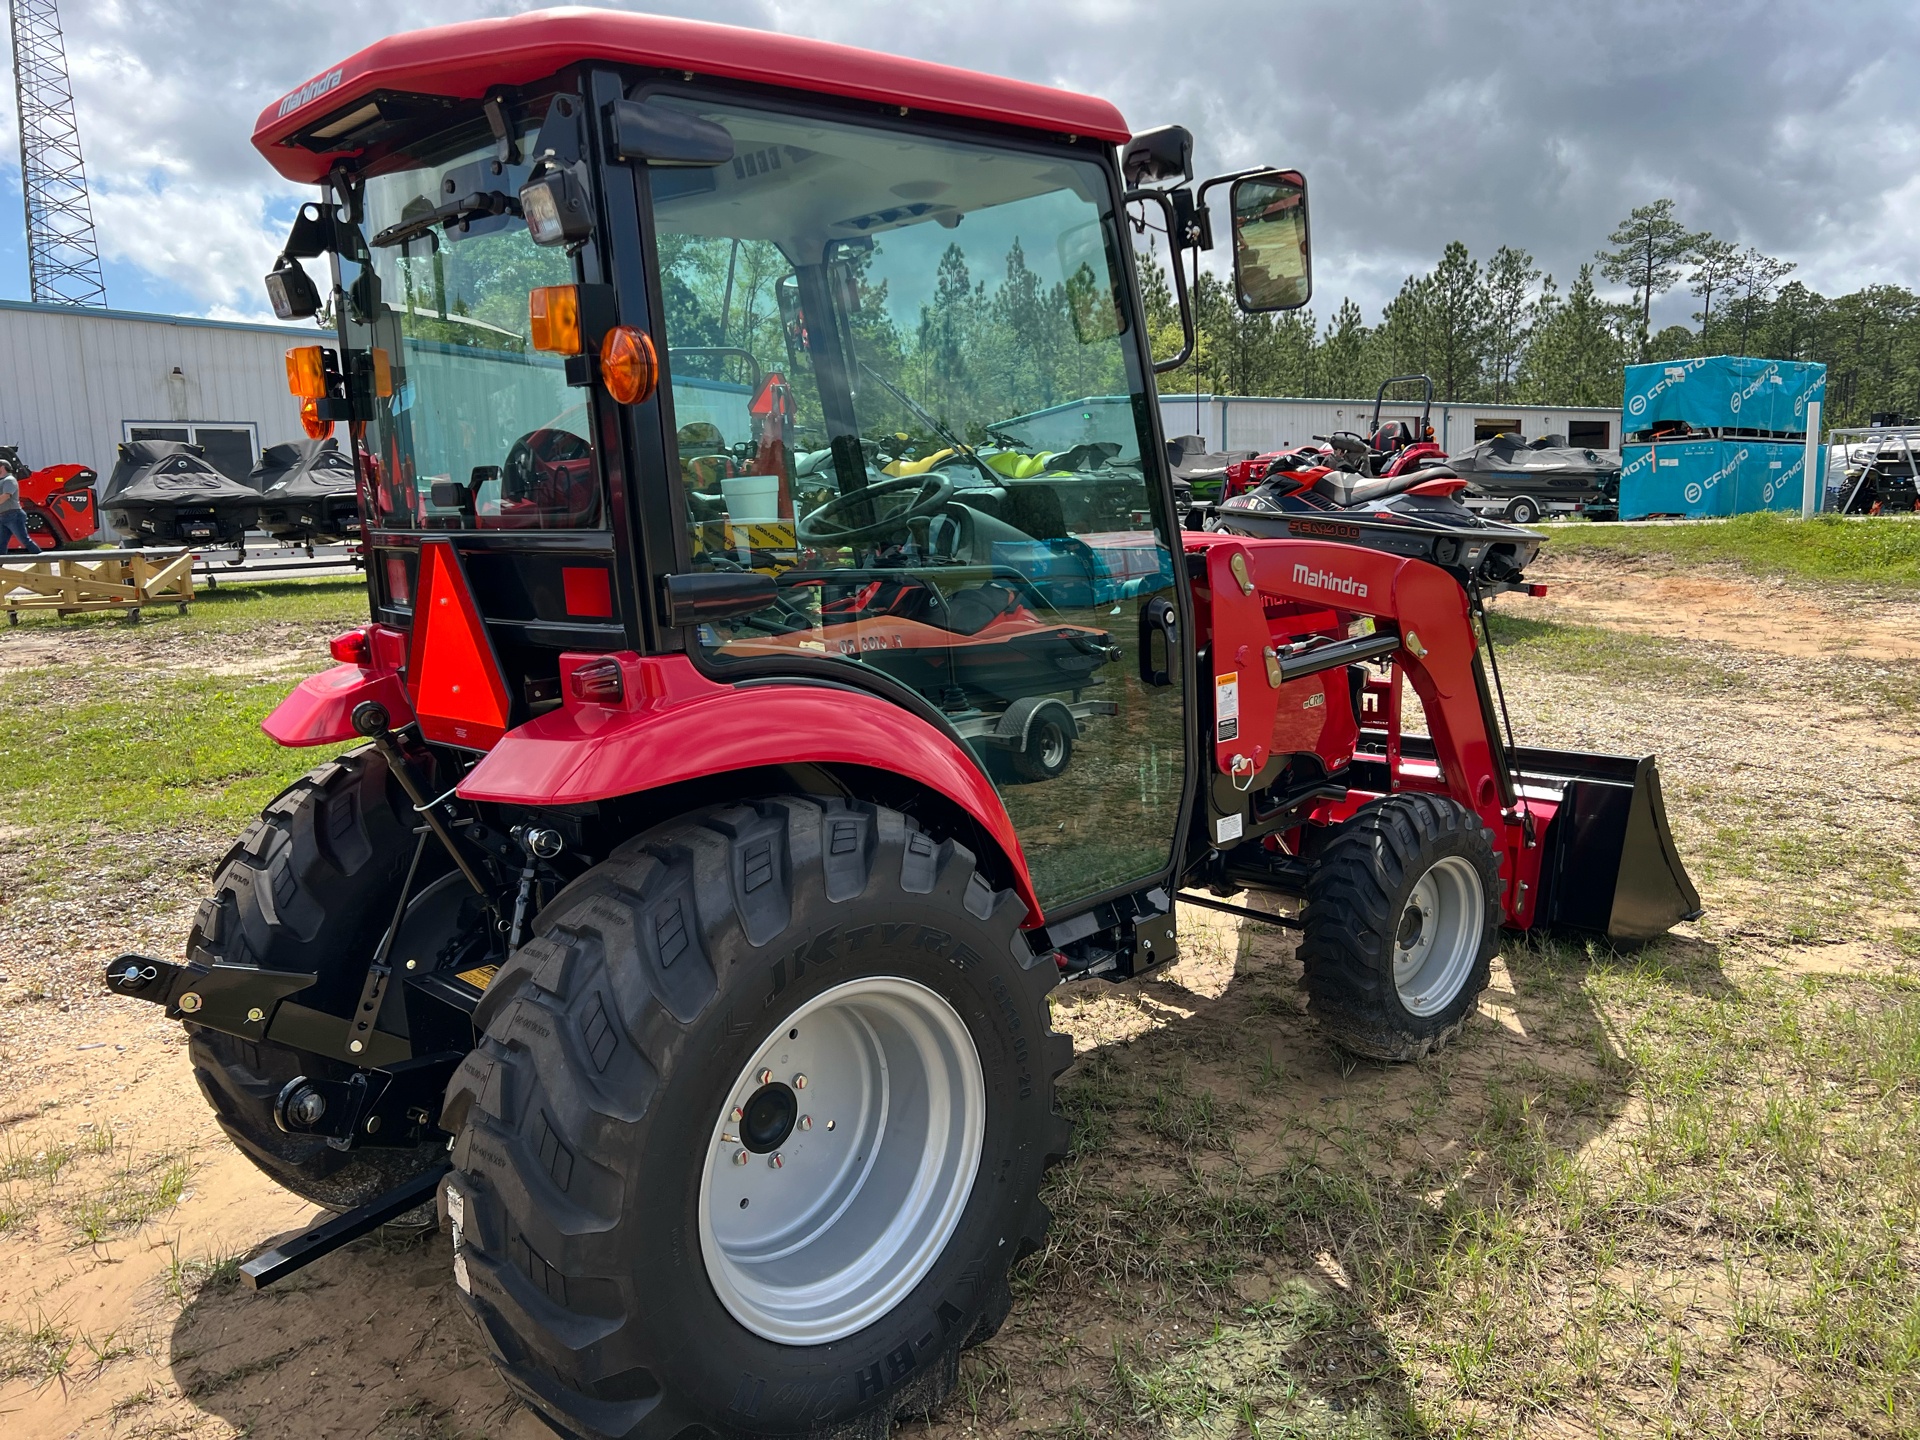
{"x": 1523, "y": 510}
{"x": 642, "y": 1071}
{"x": 1400, "y": 926}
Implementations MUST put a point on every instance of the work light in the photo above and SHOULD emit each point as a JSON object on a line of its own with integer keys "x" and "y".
{"x": 292, "y": 291}
{"x": 555, "y": 206}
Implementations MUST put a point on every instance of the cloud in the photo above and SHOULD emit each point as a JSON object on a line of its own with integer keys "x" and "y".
{"x": 1490, "y": 121}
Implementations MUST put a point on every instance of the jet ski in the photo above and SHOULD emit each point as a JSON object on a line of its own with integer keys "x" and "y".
{"x": 1522, "y": 480}
{"x": 1417, "y": 514}
{"x": 1202, "y": 472}
{"x": 163, "y": 492}
{"x": 307, "y": 492}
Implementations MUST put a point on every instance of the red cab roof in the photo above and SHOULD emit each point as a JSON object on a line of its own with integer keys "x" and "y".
{"x": 465, "y": 61}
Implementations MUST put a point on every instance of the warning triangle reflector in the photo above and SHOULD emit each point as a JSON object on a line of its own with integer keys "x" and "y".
{"x": 459, "y": 695}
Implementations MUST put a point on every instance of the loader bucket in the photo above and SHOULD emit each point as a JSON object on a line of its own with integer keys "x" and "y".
{"x": 1610, "y": 865}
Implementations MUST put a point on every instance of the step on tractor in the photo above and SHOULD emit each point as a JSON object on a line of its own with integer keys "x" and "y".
{"x": 775, "y": 684}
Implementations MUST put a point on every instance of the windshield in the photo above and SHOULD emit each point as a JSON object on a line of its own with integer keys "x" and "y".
{"x": 472, "y": 428}
{"x": 904, "y": 385}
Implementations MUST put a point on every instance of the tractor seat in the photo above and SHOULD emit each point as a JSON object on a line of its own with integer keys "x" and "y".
{"x": 1346, "y": 489}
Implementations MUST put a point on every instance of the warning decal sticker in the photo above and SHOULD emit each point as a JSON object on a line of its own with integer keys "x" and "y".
{"x": 1226, "y": 706}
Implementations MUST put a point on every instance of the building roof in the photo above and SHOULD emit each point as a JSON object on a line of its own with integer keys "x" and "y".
{"x": 145, "y": 317}
{"x": 466, "y": 60}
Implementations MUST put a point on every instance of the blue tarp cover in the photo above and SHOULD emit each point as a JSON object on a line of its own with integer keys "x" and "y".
{"x": 1712, "y": 477}
{"x": 1722, "y": 392}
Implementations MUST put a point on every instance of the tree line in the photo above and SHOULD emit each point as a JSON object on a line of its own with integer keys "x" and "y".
{"x": 1502, "y": 330}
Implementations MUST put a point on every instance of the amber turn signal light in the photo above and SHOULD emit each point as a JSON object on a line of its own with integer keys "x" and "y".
{"x": 553, "y": 319}
{"x": 382, "y": 374}
{"x": 310, "y": 421}
{"x": 629, "y": 365}
{"x": 307, "y": 372}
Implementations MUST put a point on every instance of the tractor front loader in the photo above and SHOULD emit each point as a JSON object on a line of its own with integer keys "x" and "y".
{"x": 771, "y": 692}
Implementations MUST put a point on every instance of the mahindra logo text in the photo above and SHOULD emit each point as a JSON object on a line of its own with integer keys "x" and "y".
{"x": 1327, "y": 580}
{"x": 312, "y": 90}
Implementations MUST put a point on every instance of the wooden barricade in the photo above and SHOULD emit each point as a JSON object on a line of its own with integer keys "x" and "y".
{"x": 70, "y": 582}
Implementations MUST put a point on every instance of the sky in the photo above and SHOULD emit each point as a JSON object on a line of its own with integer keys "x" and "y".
{"x": 1535, "y": 123}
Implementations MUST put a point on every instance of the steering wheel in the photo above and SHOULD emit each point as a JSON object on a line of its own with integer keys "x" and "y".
{"x": 531, "y": 453}
{"x": 824, "y": 526}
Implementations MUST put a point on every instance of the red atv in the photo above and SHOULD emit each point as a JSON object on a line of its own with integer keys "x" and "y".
{"x": 59, "y": 501}
{"x": 1389, "y": 450}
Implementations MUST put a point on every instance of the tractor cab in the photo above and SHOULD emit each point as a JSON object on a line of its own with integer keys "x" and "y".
{"x": 763, "y": 381}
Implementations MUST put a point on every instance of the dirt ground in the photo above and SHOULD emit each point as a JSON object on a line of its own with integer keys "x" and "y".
{"x": 1194, "y": 1090}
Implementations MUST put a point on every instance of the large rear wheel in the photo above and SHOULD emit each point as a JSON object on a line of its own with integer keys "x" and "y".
{"x": 757, "y": 1128}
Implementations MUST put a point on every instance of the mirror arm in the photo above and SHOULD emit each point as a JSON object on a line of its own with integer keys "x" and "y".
{"x": 1228, "y": 179}
{"x": 1174, "y": 251}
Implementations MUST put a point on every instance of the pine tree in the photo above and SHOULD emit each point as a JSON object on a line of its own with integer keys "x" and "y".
{"x": 1649, "y": 246}
{"x": 1511, "y": 277}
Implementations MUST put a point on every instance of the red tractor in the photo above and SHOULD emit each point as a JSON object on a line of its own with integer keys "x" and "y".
{"x": 59, "y": 501}
{"x": 658, "y": 909}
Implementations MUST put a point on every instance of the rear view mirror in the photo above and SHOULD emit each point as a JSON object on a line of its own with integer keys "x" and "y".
{"x": 1272, "y": 262}
{"x": 661, "y": 135}
{"x": 1165, "y": 153}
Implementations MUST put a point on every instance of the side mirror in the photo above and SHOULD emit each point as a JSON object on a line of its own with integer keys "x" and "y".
{"x": 1272, "y": 260}
{"x": 661, "y": 135}
{"x": 1165, "y": 153}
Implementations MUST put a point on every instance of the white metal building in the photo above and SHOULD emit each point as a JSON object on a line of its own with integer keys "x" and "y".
{"x": 76, "y": 382}
{"x": 1241, "y": 422}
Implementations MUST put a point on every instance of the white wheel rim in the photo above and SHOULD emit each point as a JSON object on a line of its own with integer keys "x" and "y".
{"x": 1438, "y": 936}
{"x": 828, "y": 1223}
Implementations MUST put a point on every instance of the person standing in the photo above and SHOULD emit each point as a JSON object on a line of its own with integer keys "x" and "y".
{"x": 13, "y": 519}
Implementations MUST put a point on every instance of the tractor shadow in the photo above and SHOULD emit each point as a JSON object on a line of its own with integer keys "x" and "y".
{"x": 368, "y": 1341}
{"x": 1243, "y": 1202}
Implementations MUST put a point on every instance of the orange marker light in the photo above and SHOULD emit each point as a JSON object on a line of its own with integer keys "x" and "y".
{"x": 629, "y": 364}
{"x": 553, "y": 318}
{"x": 310, "y": 421}
{"x": 307, "y": 372}
{"x": 382, "y": 374}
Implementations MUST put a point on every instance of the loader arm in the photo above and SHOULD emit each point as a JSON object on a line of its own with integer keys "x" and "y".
{"x": 1437, "y": 648}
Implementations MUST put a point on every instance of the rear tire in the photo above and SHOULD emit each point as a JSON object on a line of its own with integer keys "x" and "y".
{"x": 1400, "y": 927}
{"x": 623, "y": 1291}
{"x": 310, "y": 886}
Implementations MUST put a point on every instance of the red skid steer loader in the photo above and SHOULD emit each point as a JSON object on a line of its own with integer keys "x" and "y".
{"x": 663, "y": 912}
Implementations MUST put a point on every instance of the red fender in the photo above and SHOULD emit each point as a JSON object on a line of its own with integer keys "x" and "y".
{"x": 320, "y": 709}
{"x": 671, "y": 723}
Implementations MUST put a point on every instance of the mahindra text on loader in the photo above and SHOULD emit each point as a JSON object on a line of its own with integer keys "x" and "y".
{"x": 777, "y": 682}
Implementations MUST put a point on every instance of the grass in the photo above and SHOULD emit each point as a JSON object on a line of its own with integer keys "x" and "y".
{"x": 232, "y": 609}
{"x": 1705, "y": 1226}
{"x": 150, "y": 736}
{"x": 1881, "y": 551}
{"x": 87, "y": 749}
